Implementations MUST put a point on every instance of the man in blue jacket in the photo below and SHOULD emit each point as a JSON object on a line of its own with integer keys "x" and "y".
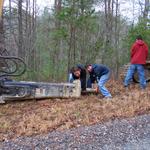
{"x": 101, "y": 75}
{"x": 78, "y": 72}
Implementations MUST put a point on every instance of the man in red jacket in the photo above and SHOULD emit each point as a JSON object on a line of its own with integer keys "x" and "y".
{"x": 139, "y": 53}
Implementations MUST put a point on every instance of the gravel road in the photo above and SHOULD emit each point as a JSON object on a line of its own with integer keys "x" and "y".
{"x": 126, "y": 134}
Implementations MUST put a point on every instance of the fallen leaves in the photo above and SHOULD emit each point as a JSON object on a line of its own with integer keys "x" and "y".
{"x": 37, "y": 117}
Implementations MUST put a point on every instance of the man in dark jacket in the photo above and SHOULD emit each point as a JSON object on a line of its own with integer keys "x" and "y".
{"x": 139, "y": 53}
{"x": 78, "y": 72}
{"x": 101, "y": 74}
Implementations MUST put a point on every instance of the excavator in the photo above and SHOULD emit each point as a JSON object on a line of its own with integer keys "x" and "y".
{"x": 11, "y": 66}
{"x": 135, "y": 79}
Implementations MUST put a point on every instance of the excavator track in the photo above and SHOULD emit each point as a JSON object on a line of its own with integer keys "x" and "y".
{"x": 124, "y": 69}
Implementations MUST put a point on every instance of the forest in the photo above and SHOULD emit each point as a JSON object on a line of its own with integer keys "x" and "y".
{"x": 53, "y": 39}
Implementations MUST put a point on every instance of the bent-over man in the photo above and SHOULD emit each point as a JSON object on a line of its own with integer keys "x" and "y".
{"x": 101, "y": 74}
{"x": 78, "y": 72}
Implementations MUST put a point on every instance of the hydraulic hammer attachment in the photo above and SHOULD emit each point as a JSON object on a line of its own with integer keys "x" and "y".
{"x": 21, "y": 90}
{"x": 11, "y": 66}
{"x": 12, "y": 90}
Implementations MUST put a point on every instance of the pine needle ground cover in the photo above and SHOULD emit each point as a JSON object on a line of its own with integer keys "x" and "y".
{"x": 29, "y": 118}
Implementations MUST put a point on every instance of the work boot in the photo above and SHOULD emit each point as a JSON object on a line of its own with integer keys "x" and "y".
{"x": 107, "y": 98}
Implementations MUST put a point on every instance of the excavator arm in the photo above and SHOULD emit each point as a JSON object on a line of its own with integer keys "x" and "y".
{"x": 1, "y": 7}
{"x": 21, "y": 90}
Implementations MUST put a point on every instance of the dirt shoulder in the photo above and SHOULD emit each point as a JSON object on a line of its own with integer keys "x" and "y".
{"x": 131, "y": 133}
{"x": 39, "y": 117}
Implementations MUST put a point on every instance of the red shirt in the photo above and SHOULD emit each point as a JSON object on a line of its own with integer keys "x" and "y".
{"x": 139, "y": 52}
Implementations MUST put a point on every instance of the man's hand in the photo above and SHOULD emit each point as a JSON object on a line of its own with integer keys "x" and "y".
{"x": 97, "y": 90}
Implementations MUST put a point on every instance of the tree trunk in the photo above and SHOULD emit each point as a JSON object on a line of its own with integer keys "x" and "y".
{"x": 108, "y": 4}
{"x": 1, "y": 36}
{"x": 1, "y": 28}
{"x": 116, "y": 40}
{"x": 57, "y": 42}
{"x": 146, "y": 9}
{"x": 1, "y": 40}
{"x": 21, "y": 52}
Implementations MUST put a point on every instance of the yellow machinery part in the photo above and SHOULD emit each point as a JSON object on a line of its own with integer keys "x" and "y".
{"x": 1, "y": 7}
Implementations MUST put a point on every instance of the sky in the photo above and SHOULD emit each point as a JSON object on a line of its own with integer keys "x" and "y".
{"x": 126, "y": 7}
{"x": 44, "y": 3}
{"x": 41, "y": 3}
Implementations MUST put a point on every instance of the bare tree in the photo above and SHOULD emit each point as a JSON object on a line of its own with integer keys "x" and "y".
{"x": 1, "y": 29}
{"x": 21, "y": 52}
{"x": 146, "y": 9}
{"x": 116, "y": 42}
{"x": 108, "y": 28}
{"x": 57, "y": 42}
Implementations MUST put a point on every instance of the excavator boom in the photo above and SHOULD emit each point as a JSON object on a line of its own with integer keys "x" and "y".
{"x": 1, "y": 8}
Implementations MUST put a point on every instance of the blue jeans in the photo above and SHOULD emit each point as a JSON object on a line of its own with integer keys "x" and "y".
{"x": 71, "y": 78}
{"x": 141, "y": 75}
{"x": 101, "y": 83}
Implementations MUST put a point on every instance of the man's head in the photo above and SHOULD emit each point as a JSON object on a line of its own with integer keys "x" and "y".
{"x": 76, "y": 71}
{"x": 139, "y": 37}
{"x": 89, "y": 68}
